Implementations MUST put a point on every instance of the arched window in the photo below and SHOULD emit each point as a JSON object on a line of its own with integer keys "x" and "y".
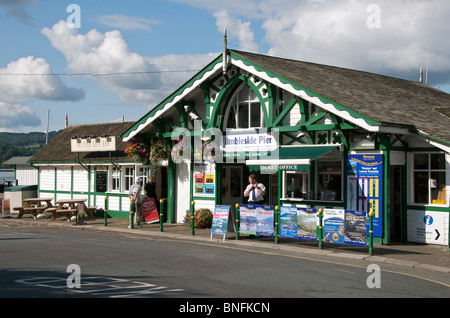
{"x": 244, "y": 110}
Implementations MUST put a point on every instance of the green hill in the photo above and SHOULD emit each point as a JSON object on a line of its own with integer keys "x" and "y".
{"x": 22, "y": 144}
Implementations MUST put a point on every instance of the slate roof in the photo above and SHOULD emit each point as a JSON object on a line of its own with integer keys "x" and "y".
{"x": 385, "y": 99}
{"x": 59, "y": 149}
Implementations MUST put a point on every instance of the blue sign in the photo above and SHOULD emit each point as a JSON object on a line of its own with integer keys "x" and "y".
{"x": 365, "y": 187}
{"x": 220, "y": 219}
{"x": 428, "y": 220}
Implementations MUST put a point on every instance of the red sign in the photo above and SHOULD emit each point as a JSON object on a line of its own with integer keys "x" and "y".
{"x": 150, "y": 210}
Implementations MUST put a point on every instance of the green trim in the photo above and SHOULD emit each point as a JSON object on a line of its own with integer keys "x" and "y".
{"x": 172, "y": 97}
{"x": 310, "y": 93}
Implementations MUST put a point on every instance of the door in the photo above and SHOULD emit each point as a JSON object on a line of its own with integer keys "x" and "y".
{"x": 396, "y": 203}
{"x": 232, "y": 191}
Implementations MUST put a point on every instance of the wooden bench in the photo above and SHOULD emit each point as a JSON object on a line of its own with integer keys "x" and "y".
{"x": 21, "y": 211}
{"x": 89, "y": 211}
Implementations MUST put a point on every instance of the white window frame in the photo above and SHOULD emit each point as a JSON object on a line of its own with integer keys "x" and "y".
{"x": 251, "y": 103}
{"x": 429, "y": 171}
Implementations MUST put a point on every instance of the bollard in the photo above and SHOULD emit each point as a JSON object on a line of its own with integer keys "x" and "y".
{"x": 192, "y": 217}
{"x": 370, "y": 233}
{"x": 237, "y": 221}
{"x": 105, "y": 214}
{"x": 161, "y": 205}
{"x": 131, "y": 214}
{"x": 320, "y": 238}
{"x": 277, "y": 223}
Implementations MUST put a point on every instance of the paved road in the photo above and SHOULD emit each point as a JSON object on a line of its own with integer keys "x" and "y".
{"x": 34, "y": 263}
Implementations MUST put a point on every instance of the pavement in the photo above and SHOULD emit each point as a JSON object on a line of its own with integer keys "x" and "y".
{"x": 420, "y": 256}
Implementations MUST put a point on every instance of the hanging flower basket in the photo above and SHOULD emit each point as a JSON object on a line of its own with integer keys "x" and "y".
{"x": 137, "y": 153}
{"x": 157, "y": 152}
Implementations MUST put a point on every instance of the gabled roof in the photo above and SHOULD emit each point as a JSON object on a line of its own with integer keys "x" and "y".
{"x": 374, "y": 102}
{"x": 16, "y": 161}
{"x": 387, "y": 100}
{"x": 59, "y": 149}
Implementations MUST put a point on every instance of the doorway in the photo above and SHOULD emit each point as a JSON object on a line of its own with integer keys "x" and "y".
{"x": 232, "y": 191}
{"x": 396, "y": 206}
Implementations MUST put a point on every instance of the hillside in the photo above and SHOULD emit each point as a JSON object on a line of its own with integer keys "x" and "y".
{"x": 22, "y": 144}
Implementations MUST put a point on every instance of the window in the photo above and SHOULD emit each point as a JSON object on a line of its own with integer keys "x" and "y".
{"x": 329, "y": 184}
{"x": 143, "y": 172}
{"x": 115, "y": 176}
{"x": 129, "y": 178}
{"x": 296, "y": 185}
{"x": 429, "y": 179}
{"x": 244, "y": 110}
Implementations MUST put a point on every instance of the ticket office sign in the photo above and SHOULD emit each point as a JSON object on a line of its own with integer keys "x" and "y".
{"x": 365, "y": 187}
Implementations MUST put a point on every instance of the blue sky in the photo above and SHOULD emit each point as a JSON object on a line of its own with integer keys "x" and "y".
{"x": 173, "y": 39}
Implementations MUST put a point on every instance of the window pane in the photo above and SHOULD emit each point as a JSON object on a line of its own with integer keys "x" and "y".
{"x": 243, "y": 115}
{"x": 438, "y": 161}
{"x": 421, "y": 161}
{"x": 255, "y": 115}
{"x": 438, "y": 188}
{"x": 296, "y": 185}
{"x": 243, "y": 95}
{"x": 329, "y": 187}
{"x": 231, "y": 123}
{"x": 421, "y": 187}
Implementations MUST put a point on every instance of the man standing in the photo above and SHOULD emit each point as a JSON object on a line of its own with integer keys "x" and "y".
{"x": 135, "y": 194}
{"x": 255, "y": 191}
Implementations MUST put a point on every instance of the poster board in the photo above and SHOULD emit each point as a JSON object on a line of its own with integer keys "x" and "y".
{"x": 345, "y": 227}
{"x": 204, "y": 179}
{"x": 298, "y": 223}
{"x": 150, "y": 210}
{"x": 220, "y": 220}
{"x": 365, "y": 187}
{"x": 256, "y": 219}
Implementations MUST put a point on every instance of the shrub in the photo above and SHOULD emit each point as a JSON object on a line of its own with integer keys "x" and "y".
{"x": 202, "y": 219}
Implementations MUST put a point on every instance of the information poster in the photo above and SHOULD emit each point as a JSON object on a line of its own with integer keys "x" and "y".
{"x": 365, "y": 187}
{"x": 204, "y": 179}
{"x": 150, "y": 210}
{"x": 334, "y": 226}
{"x": 220, "y": 219}
{"x": 248, "y": 221}
{"x": 256, "y": 220}
{"x": 265, "y": 220}
{"x": 307, "y": 224}
{"x": 355, "y": 228}
{"x": 298, "y": 223}
{"x": 288, "y": 222}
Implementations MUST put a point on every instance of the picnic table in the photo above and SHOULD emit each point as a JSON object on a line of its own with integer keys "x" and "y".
{"x": 35, "y": 206}
{"x": 70, "y": 207}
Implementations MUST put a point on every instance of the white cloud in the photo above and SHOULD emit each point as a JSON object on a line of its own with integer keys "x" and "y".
{"x": 335, "y": 32}
{"x": 126, "y": 22}
{"x": 237, "y": 28}
{"x": 134, "y": 78}
{"x": 25, "y": 80}
{"x": 16, "y": 115}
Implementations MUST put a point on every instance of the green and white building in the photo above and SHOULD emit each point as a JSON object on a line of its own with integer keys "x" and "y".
{"x": 316, "y": 136}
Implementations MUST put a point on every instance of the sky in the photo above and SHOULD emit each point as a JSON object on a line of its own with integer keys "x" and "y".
{"x": 105, "y": 61}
